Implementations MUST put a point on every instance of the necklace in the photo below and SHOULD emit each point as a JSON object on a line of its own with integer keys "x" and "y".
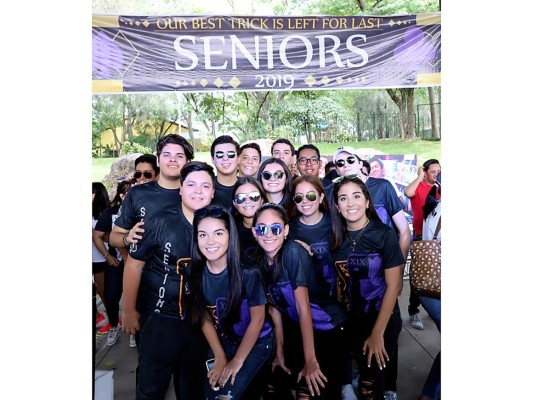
{"x": 354, "y": 241}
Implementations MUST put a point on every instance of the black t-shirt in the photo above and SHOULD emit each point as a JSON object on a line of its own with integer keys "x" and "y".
{"x": 105, "y": 224}
{"x": 328, "y": 189}
{"x": 318, "y": 238}
{"x": 216, "y": 287}
{"x": 222, "y": 196}
{"x": 362, "y": 271}
{"x": 246, "y": 239}
{"x": 144, "y": 201}
{"x": 166, "y": 249}
{"x": 385, "y": 199}
{"x": 298, "y": 271}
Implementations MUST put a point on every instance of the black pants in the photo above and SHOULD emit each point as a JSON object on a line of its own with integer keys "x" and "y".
{"x": 168, "y": 348}
{"x": 372, "y": 380}
{"x": 113, "y": 291}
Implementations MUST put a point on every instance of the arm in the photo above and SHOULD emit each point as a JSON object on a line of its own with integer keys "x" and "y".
{"x": 208, "y": 328}
{"x": 311, "y": 370}
{"x": 410, "y": 190}
{"x": 402, "y": 226}
{"x": 120, "y": 237}
{"x": 132, "y": 278}
{"x": 98, "y": 239}
{"x": 375, "y": 343}
{"x": 257, "y": 318}
{"x": 279, "y": 360}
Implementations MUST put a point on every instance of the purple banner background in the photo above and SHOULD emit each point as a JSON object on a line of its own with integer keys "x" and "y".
{"x": 207, "y": 53}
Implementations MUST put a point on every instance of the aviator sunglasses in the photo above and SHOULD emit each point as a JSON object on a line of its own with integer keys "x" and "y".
{"x": 277, "y": 175}
{"x": 138, "y": 174}
{"x": 262, "y": 230}
{"x": 230, "y": 154}
{"x": 349, "y": 160}
{"x": 241, "y": 197}
{"x": 311, "y": 196}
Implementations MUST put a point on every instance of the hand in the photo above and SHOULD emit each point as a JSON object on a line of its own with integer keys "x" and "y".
{"x": 135, "y": 233}
{"x": 279, "y": 361}
{"x": 130, "y": 322}
{"x": 230, "y": 371}
{"x": 421, "y": 172}
{"x": 313, "y": 376}
{"x": 375, "y": 346}
{"x": 112, "y": 261}
{"x": 215, "y": 373}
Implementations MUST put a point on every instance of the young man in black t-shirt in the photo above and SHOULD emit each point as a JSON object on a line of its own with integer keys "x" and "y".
{"x": 224, "y": 157}
{"x": 155, "y": 287}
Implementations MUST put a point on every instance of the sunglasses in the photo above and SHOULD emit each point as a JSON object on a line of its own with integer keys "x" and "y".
{"x": 262, "y": 230}
{"x": 347, "y": 177}
{"x": 277, "y": 175}
{"x": 304, "y": 160}
{"x": 138, "y": 174}
{"x": 311, "y": 196}
{"x": 349, "y": 160}
{"x": 241, "y": 197}
{"x": 230, "y": 154}
{"x": 215, "y": 212}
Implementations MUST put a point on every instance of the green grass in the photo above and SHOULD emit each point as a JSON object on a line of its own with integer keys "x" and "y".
{"x": 424, "y": 150}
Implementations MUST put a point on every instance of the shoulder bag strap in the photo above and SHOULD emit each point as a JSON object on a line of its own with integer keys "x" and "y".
{"x": 437, "y": 230}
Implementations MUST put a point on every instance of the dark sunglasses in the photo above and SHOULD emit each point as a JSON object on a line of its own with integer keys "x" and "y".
{"x": 277, "y": 175}
{"x": 311, "y": 196}
{"x": 349, "y": 160}
{"x": 262, "y": 230}
{"x": 230, "y": 154}
{"x": 304, "y": 160}
{"x": 138, "y": 174}
{"x": 216, "y": 212}
{"x": 241, "y": 197}
{"x": 347, "y": 177}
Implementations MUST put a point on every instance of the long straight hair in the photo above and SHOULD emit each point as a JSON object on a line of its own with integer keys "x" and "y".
{"x": 338, "y": 222}
{"x": 267, "y": 273}
{"x": 197, "y": 269}
{"x": 288, "y": 181}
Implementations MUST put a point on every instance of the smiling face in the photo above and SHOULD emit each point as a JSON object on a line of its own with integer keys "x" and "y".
{"x": 170, "y": 161}
{"x": 249, "y": 161}
{"x": 348, "y": 169}
{"x": 249, "y": 207}
{"x": 308, "y": 168}
{"x": 213, "y": 241}
{"x": 283, "y": 152}
{"x": 307, "y": 207}
{"x": 197, "y": 190}
{"x": 352, "y": 205}
{"x": 270, "y": 243}
{"x": 225, "y": 159}
{"x": 273, "y": 185}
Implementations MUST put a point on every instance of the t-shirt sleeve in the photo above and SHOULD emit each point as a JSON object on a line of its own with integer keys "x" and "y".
{"x": 392, "y": 255}
{"x": 105, "y": 222}
{"x": 393, "y": 201}
{"x": 126, "y": 218}
{"x": 253, "y": 287}
{"x": 298, "y": 264}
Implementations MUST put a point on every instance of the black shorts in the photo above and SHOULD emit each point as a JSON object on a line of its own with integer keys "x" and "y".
{"x": 99, "y": 267}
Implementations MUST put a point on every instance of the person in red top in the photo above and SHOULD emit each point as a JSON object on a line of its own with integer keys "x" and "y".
{"x": 418, "y": 190}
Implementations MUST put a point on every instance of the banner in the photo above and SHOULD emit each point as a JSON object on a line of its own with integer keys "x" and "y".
{"x": 212, "y": 53}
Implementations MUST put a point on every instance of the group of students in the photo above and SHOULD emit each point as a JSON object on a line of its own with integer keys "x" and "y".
{"x": 254, "y": 283}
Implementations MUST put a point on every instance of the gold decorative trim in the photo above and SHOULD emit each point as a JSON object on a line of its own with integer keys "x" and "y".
{"x": 428, "y": 19}
{"x": 432, "y": 79}
{"x": 105, "y": 21}
{"x": 113, "y": 85}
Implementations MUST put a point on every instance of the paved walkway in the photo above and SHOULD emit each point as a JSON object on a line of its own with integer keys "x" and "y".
{"x": 417, "y": 350}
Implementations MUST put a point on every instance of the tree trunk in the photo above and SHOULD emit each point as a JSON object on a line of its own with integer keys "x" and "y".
{"x": 191, "y": 131}
{"x": 118, "y": 145}
{"x": 405, "y": 100}
{"x": 435, "y": 131}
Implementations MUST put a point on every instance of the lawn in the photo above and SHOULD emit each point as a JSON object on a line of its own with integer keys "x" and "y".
{"x": 424, "y": 150}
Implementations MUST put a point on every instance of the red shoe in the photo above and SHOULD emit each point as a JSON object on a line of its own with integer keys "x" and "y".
{"x": 100, "y": 320}
{"x": 105, "y": 328}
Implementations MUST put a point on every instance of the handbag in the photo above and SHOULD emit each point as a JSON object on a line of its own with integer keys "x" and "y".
{"x": 424, "y": 271}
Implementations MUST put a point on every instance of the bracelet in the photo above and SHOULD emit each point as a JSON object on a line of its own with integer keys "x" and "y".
{"x": 124, "y": 240}
{"x": 107, "y": 255}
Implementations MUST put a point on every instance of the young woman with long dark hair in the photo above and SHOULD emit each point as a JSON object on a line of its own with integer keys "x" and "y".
{"x": 310, "y": 334}
{"x": 229, "y": 304}
{"x": 276, "y": 179}
{"x": 368, "y": 259}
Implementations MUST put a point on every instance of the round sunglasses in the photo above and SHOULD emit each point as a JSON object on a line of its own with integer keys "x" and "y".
{"x": 262, "y": 230}
{"x": 241, "y": 197}
{"x": 277, "y": 175}
{"x": 230, "y": 154}
{"x": 138, "y": 174}
{"x": 311, "y": 196}
{"x": 349, "y": 160}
